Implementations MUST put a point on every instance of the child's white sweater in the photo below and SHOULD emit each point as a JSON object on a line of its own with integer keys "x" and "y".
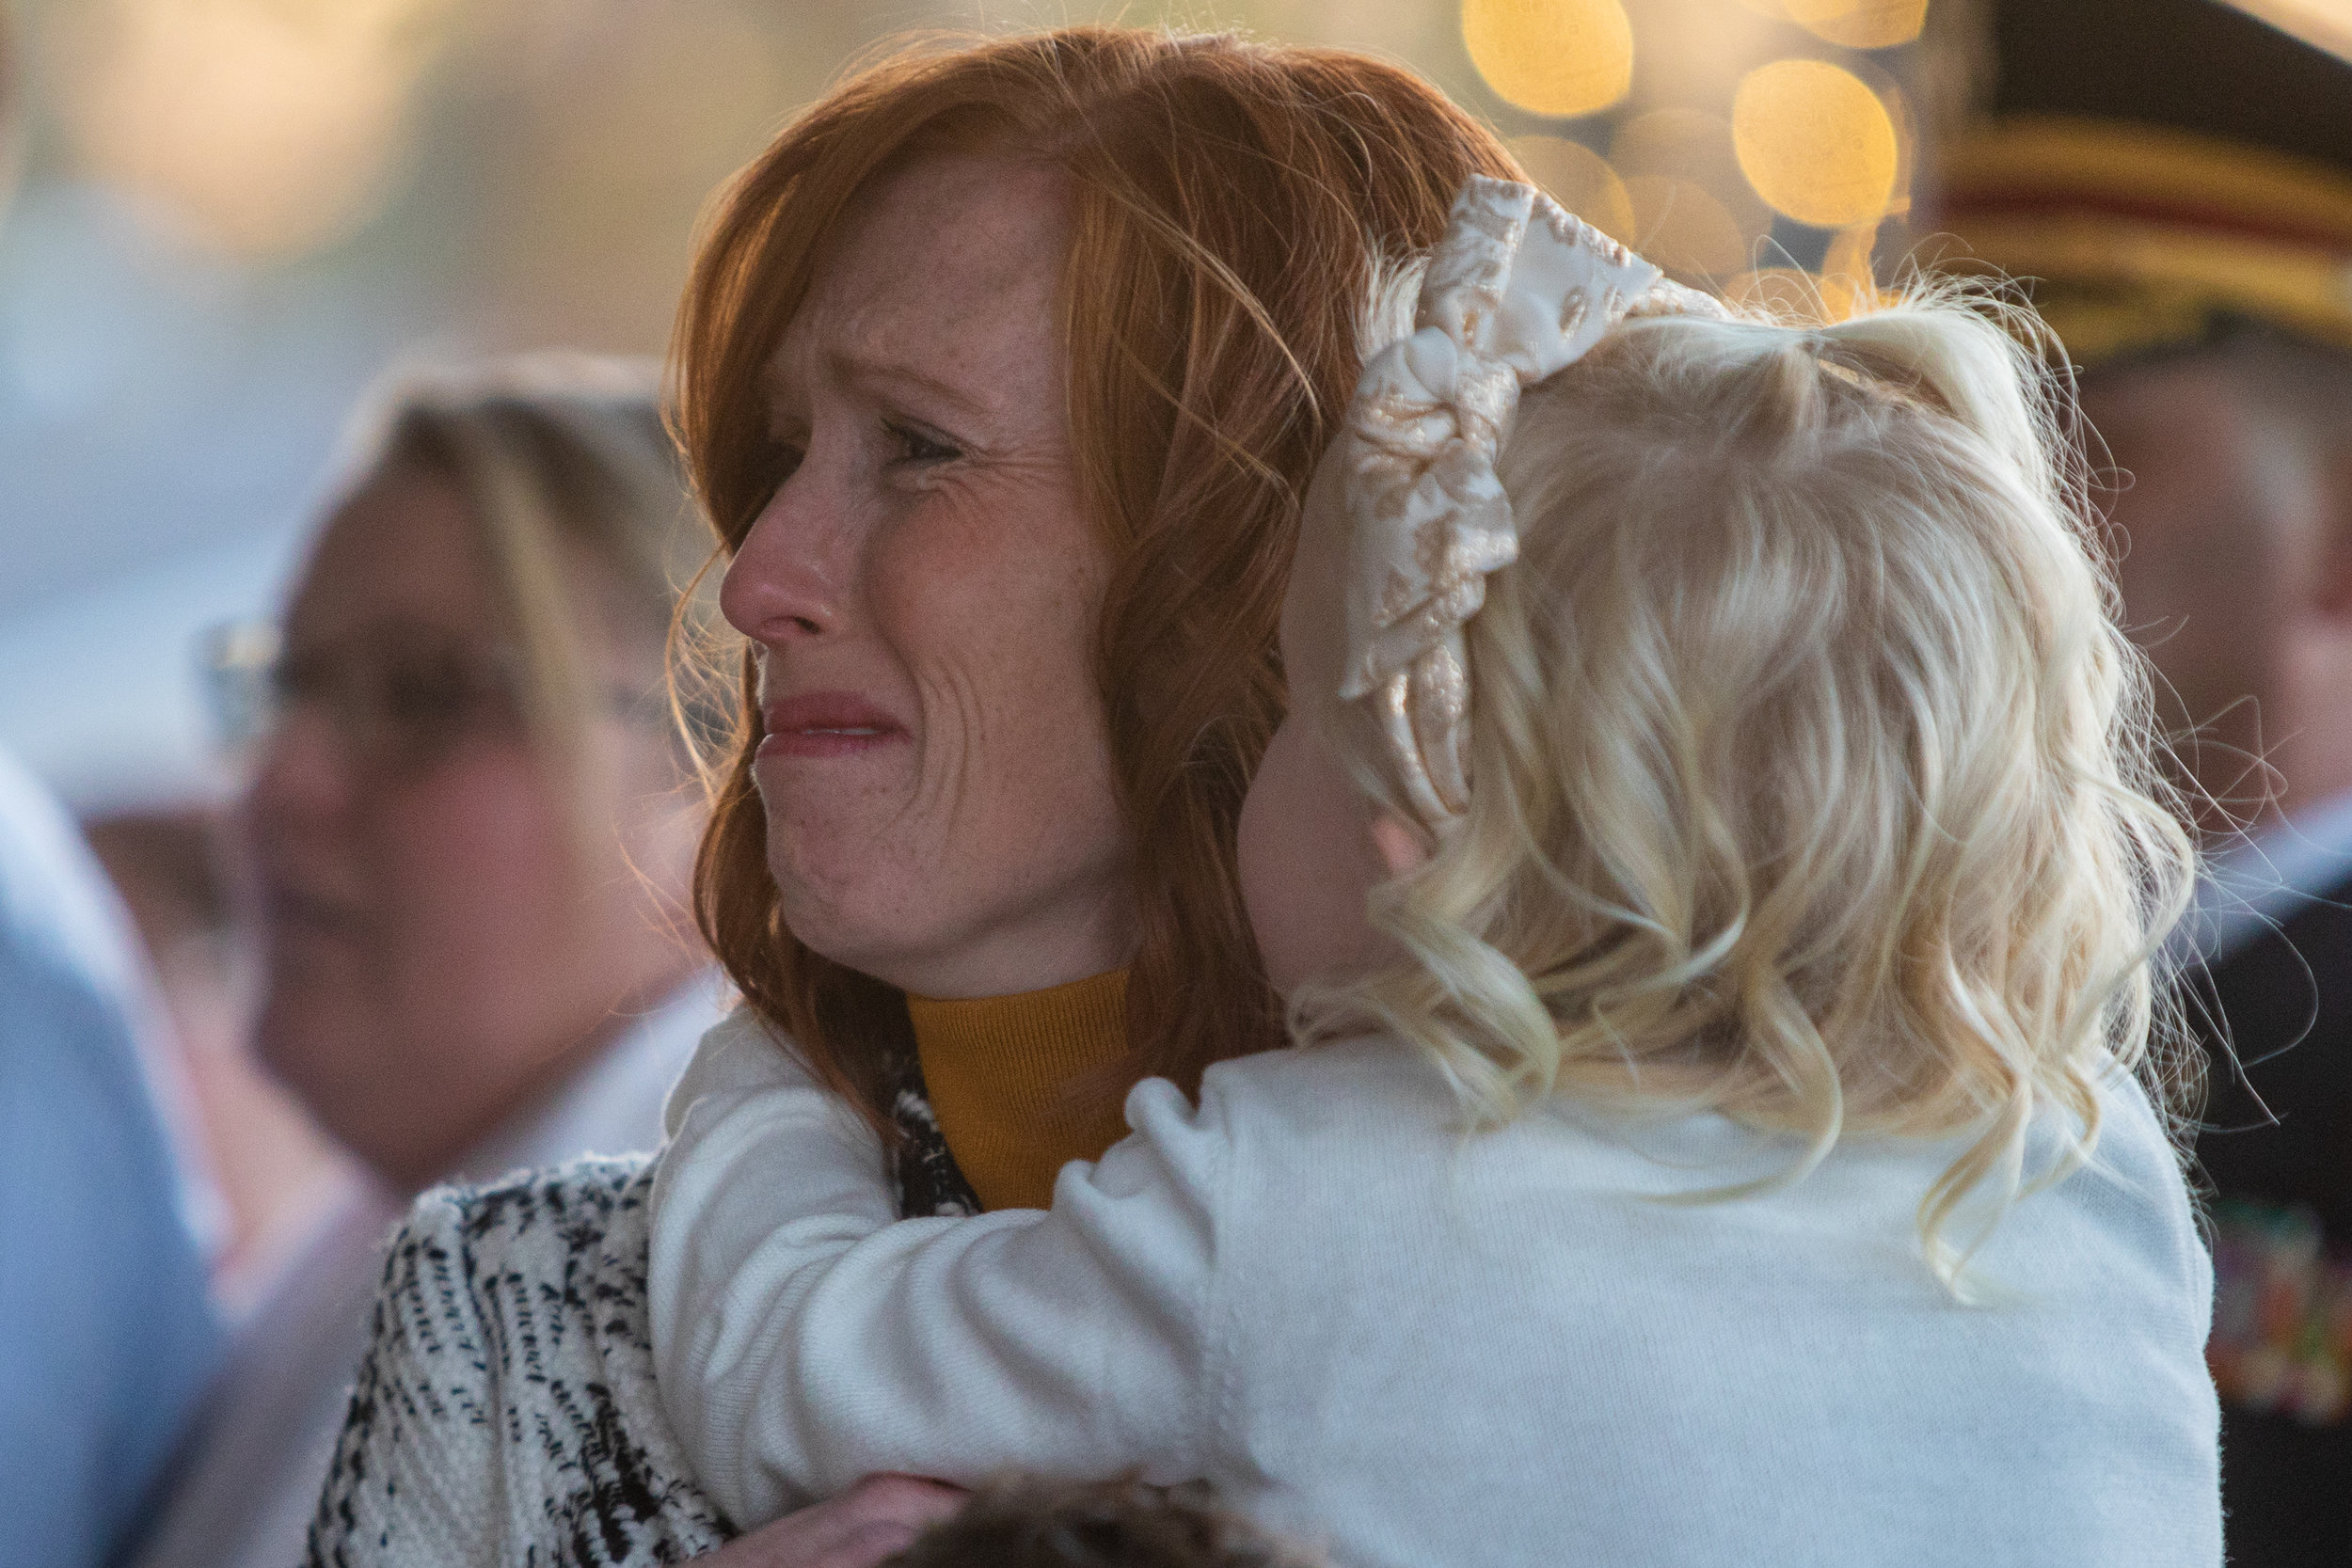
{"x": 1313, "y": 1292}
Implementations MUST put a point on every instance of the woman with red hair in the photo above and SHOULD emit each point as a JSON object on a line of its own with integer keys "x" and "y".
{"x": 1002, "y": 377}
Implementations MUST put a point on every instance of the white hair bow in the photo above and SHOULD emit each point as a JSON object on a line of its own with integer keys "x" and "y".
{"x": 1517, "y": 290}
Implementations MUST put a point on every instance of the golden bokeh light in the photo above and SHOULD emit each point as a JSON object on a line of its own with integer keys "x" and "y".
{"x": 1579, "y": 180}
{"x": 1558, "y": 57}
{"x": 270, "y": 129}
{"x": 1678, "y": 224}
{"x": 1860, "y": 24}
{"x": 1815, "y": 143}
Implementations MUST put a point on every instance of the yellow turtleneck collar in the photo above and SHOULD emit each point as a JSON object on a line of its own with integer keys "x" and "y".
{"x": 1007, "y": 1078}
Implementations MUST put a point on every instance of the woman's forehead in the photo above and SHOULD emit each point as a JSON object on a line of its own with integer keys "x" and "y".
{"x": 946, "y": 260}
{"x": 407, "y": 548}
{"x": 402, "y": 543}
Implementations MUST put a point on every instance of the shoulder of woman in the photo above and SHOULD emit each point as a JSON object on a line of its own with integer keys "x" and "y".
{"x": 546, "y": 1265}
{"x": 553, "y": 1207}
{"x": 516, "y": 1305}
{"x": 465, "y": 1278}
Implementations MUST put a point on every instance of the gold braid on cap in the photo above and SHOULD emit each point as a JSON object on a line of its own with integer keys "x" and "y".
{"x": 1517, "y": 290}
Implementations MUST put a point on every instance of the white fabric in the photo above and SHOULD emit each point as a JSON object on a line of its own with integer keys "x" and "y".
{"x": 2265, "y": 880}
{"x": 253, "y": 1473}
{"x": 1313, "y": 1292}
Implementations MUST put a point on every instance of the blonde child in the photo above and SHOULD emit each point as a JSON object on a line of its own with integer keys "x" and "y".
{"x": 1711, "y": 868}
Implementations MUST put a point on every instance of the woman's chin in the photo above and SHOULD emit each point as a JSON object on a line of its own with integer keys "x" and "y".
{"x": 835, "y": 904}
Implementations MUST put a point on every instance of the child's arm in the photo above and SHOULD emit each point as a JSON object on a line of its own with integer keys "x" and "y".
{"x": 803, "y": 1337}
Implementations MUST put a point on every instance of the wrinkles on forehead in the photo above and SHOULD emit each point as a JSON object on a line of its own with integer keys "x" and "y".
{"x": 943, "y": 280}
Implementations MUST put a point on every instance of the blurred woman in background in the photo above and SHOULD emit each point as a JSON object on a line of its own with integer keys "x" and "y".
{"x": 473, "y": 826}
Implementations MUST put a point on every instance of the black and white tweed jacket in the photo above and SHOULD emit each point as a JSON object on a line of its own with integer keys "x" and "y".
{"x": 505, "y": 1412}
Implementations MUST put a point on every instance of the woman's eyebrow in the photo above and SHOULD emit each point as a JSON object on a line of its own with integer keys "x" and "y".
{"x": 857, "y": 368}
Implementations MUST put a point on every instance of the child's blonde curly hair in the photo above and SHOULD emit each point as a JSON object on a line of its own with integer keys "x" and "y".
{"x": 1813, "y": 781}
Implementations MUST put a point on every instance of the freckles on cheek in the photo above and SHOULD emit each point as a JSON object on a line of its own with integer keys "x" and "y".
{"x": 993, "y": 613}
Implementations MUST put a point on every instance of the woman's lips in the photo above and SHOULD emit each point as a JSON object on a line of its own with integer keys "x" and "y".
{"x": 825, "y": 724}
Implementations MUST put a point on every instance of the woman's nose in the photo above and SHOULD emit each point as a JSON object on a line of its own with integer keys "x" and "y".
{"x": 789, "y": 575}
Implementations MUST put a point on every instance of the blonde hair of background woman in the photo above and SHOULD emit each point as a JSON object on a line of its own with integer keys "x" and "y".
{"x": 553, "y": 453}
{"x": 1813, "y": 781}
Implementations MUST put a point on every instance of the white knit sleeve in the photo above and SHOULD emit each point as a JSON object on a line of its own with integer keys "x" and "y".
{"x": 803, "y": 1337}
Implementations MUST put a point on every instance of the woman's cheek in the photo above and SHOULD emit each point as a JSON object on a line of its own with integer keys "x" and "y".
{"x": 479, "y": 884}
{"x": 994, "y": 619}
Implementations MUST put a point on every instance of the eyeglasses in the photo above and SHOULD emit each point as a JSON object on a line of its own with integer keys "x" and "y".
{"x": 396, "y": 701}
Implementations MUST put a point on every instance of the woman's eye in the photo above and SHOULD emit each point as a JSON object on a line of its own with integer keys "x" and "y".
{"x": 301, "y": 678}
{"x": 426, "y": 697}
{"x": 916, "y": 447}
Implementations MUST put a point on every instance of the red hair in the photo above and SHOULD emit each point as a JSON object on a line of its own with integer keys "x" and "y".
{"x": 1228, "y": 198}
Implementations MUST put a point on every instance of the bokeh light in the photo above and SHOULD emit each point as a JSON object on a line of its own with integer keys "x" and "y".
{"x": 1557, "y": 57}
{"x": 1815, "y": 143}
{"x": 1905, "y": 119}
{"x": 1860, "y": 24}
{"x": 1684, "y": 230}
{"x": 1581, "y": 180}
{"x": 269, "y": 129}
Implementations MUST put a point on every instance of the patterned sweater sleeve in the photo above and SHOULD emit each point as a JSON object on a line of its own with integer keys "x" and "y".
{"x": 505, "y": 1411}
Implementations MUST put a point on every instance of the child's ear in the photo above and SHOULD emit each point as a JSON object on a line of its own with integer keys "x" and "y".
{"x": 1403, "y": 847}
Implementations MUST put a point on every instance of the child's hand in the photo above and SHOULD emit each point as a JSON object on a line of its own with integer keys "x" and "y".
{"x": 875, "y": 1519}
